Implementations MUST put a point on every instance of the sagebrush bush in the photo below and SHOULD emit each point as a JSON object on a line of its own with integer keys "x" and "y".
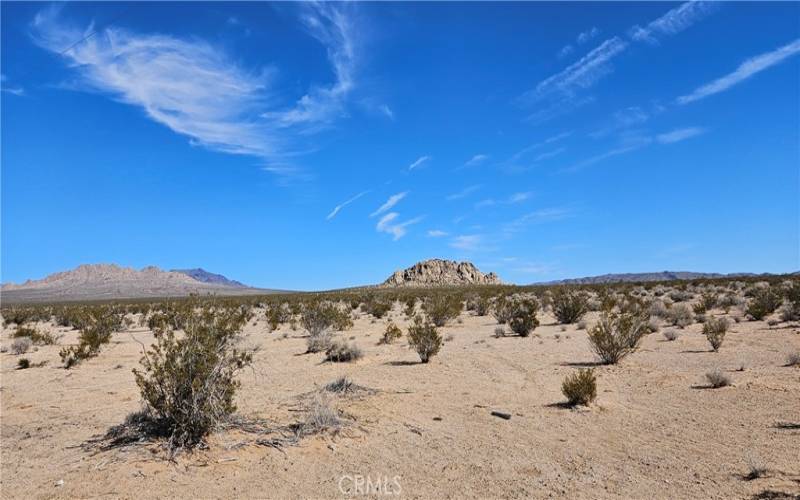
{"x": 680, "y": 315}
{"x": 424, "y": 338}
{"x": 671, "y": 335}
{"x": 569, "y": 306}
{"x": 522, "y": 319}
{"x": 714, "y": 329}
{"x": 20, "y": 345}
{"x": 341, "y": 351}
{"x": 616, "y": 335}
{"x": 188, "y": 382}
{"x": 580, "y": 388}
{"x": 442, "y": 308}
{"x": 764, "y": 302}
{"x": 391, "y": 334}
{"x": 717, "y": 378}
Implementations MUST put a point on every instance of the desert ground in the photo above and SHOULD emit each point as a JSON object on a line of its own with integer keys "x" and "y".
{"x": 426, "y": 430}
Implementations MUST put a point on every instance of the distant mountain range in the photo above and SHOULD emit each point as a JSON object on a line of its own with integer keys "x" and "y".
{"x": 642, "y": 277}
{"x": 204, "y": 276}
{"x": 110, "y": 281}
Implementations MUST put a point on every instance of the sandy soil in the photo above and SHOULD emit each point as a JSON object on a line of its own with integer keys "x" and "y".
{"x": 654, "y": 431}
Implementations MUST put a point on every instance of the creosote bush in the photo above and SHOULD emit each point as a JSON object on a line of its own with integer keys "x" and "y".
{"x": 188, "y": 382}
{"x": 714, "y": 329}
{"x": 318, "y": 318}
{"x": 522, "y": 320}
{"x": 501, "y": 309}
{"x": 616, "y": 335}
{"x": 569, "y": 306}
{"x": 580, "y": 388}
{"x": 442, "y": 308}
{"x": 424, "y": 338}
{"x": 391, "y": 334}
{"x": 764, "y": 302}
{"x": 37, "y": 336}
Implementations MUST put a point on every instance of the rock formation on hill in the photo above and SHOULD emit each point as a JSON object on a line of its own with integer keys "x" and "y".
{"x": 110, "y": 281}
{"x": 438, "y": 272}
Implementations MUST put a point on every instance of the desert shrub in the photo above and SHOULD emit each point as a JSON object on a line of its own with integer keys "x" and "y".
{"x": 791, "y": 310}
{"x": 188, "y": 382}
{"x": 569, "y": 306}
{"x": 582, "y": 325}
{"x": 20, "y": 345}
{"x": 606, "y": 299}
{"x": 714, "y": 329}
{"x": 727, "y": 301}
{"x": 523, "y": 319}
{"x": 319, "y": 317}
{"x": 717, "y": 378}
{"x": 671, "y": 335}
{"x": 391, "y": 334}
{"x": 680, "y": 315}
{"x": 653, "y": 326}
{"x": 23, "y": 364}
{"x": 793, "y": 359}
{"x": 499, "y": 331}
{"x": 341, "y": 385}
{"x": 699, "y": 308}
{"x": 479, "y": 304}
{"x": 680, "y": 296}
{"x": 764, "y": 302}
{"x": 37, "y": 336}
{"x": 616, "y": 335}
{"x": 319, "y": 342}
{"x": 377, "y": 308}
{"x": 341, "y": 351}
{"x": 424, "y": 338}
{"x": 580, "y": 388}
{"x": 659, "y": 309}
{"x": 442, "y": 308}
{"x": 321, "y": 417}
{"x": 277, "y": 314}
{"x": 100, "y": 324}
{"x": 411, "y": 303}
{"x": 501, "y": 309}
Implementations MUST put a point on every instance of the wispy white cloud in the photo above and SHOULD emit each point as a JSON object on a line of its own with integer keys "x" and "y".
{"x": 437, "y": 233}
{"x": 673, "y": 22}
{"x": 680, "y": 134}
{"x": 511, "y": 200}
{"x": 387, "y": 111}
{"x": 18, "y": 91}
{"x": 168, "y": 78}
{"x": 538, "y": 217}
{"x": 582, "y": 38}
{"x": 419, "y": 162}
{"x": 392, "y": 201}
{"x": 608, "y": 154}
{"x": 463, "y": 193}
{"x": 588, "y": 34}
{"x": 581, "y": 74}
{"x": 388, "y": 225}
{"x": 549, "y": 154}
{"x": 476, "y": 160}
{"x": 339, "y": 207}
{"x": 467, "y": 242}
{"x": 623, "y": 119}
{"x": 555, "y": 138}
{"x": 745, "y": 70}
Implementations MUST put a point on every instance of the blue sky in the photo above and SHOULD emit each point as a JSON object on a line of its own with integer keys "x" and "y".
{"x": 315, "y": 146}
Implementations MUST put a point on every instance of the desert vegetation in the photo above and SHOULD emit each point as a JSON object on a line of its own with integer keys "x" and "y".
{"x": 204, "y": 366}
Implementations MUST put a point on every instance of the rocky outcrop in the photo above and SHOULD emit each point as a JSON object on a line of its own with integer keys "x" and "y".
{"x": 438, "y": 272}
